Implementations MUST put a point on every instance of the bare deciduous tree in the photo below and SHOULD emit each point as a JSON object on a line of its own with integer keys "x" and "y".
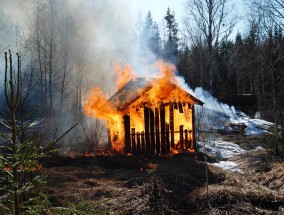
{"x": 268, "y": 12}
{"x": 66, "y": 49}
{"x": 210, "y": 21}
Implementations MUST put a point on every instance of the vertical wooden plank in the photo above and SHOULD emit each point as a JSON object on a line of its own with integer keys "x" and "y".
{"x": 189, "y": 106}
{"x": 127, "y": 138}
{"x": 186, "y": 139}
{"x": 138, "y": 143}
{"x": 143, "y": 143}
{"x": 157, "y": 131}
{"x": 180, "y": 107}
{"x": 163, "y": 128}
{"x": 152, "y": 132}
{"x": 172, "y": 127}
{"x": 168, "y": 146}
{"x": 193, "y": 128}
{"x": 190, "y": 142}
{"x": 181, "y": 140}
{"x": 147, "y": 135}
{"x": 175, "y": 105}
{"x": 133, "y": 141}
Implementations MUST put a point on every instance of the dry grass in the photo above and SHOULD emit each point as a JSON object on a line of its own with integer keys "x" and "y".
{"x": 157, "y": 187}
{"x": 175, "y": 185}
{"x": 258, "y": 190}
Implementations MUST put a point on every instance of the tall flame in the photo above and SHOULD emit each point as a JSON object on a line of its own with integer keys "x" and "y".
{"x": 124, "y": 75}
{"x": 97, "y": 106}
{"x": 164, "y": 90}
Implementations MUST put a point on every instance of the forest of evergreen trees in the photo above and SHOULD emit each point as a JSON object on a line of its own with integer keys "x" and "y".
{"x": 248, "y": 66}
{"x": 246, "y": 71}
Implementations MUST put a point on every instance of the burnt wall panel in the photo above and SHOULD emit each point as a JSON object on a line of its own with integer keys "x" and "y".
{"x": 133, "y": 141}
{"x": 138, "y": 141}
{"x": 186, "y": 139}
{"x": 163, "y": 128}
{"x": 181, "y": 139}
{"x": 147, "y": 134}
{"x": 152, "y": 130}
{"x": 168, "y": 146}
{"x": 157, "y": 131}
{"x": 193, "y": 128}
{"x": 143, "y": 147}
{"x": 127, "y": 137}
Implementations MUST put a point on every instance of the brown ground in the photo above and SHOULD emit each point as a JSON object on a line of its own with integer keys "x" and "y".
{"x": 174, "y": 185}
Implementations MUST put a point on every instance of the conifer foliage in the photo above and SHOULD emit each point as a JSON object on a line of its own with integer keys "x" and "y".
{"x": 19, "y": 157}
{"x": 171, "y": 44}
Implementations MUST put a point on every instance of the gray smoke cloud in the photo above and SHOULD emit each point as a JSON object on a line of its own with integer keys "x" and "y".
{"x": 105, "y": 30}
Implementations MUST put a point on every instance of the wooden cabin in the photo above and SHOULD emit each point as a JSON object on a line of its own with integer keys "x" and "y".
{"x": 158, "y": 117}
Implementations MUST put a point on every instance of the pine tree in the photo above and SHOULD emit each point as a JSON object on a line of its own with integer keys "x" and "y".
{"x": 184, "y": 64}
{"x": 19, "y": 158}
{"x": 150, "y": 37}
{"x": 236, "y": 68}
{"x": 171, "y": 44}
{"x": 225, "y": 86}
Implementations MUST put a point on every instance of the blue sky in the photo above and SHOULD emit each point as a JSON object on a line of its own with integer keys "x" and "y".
{"x": 158, "y": 8}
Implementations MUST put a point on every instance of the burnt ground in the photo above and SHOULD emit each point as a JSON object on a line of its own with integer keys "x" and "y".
{"x": 170, "y": 185}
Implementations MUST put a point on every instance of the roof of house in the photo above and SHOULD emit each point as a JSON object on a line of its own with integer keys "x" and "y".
{"x": 133, "y": 89}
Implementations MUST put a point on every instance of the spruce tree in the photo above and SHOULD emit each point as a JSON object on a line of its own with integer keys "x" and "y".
{"x": 150, "y": 37}
{"x": 171, "y": 44}
{"x": 19, "y": 158}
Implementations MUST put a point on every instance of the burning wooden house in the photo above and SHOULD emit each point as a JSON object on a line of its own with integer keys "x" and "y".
{"x": 156, "y": 118}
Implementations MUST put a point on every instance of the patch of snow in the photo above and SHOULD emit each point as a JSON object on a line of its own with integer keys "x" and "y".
{"x": 262, "y": 123}
{"x": 259, "y": 148}
{"x": 254, "y": 126}
{"x": 228, "y": 165}
{"x": 253, "y": 131}
{"x": 221, "y": 149}
{"x": 257, "y": 127}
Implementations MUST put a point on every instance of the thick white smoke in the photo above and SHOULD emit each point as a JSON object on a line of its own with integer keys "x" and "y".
{"x": 214, "y": 113}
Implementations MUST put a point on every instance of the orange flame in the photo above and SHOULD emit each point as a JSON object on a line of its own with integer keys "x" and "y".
{"x": 124, "y": 75}
{"x": 97, "y": 106}
{"x": 164, "y": 90}
{"x": 32, "y": 168}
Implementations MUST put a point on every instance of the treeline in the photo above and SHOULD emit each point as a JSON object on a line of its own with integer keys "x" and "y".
{"x": 250, "y": 64}
{"x": 246, "y": 66}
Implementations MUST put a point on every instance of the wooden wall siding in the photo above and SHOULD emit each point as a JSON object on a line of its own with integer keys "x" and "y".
{"x": 127, "y": 134}
{"x": 159, "y": 136}
{"x": 133, "y": 141}
{"x": 163, "y": 129}
{"x": 193, "y": 128}
{"x": 168, "y": 144}
{"x": 181, "y": 139}
{"x": 157, "y": 131}
{"x": 172, "y": 126}
{"x": 147, "y": 131}
{"x": 143, "y": 143}
{"x": 152, "y": 132}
